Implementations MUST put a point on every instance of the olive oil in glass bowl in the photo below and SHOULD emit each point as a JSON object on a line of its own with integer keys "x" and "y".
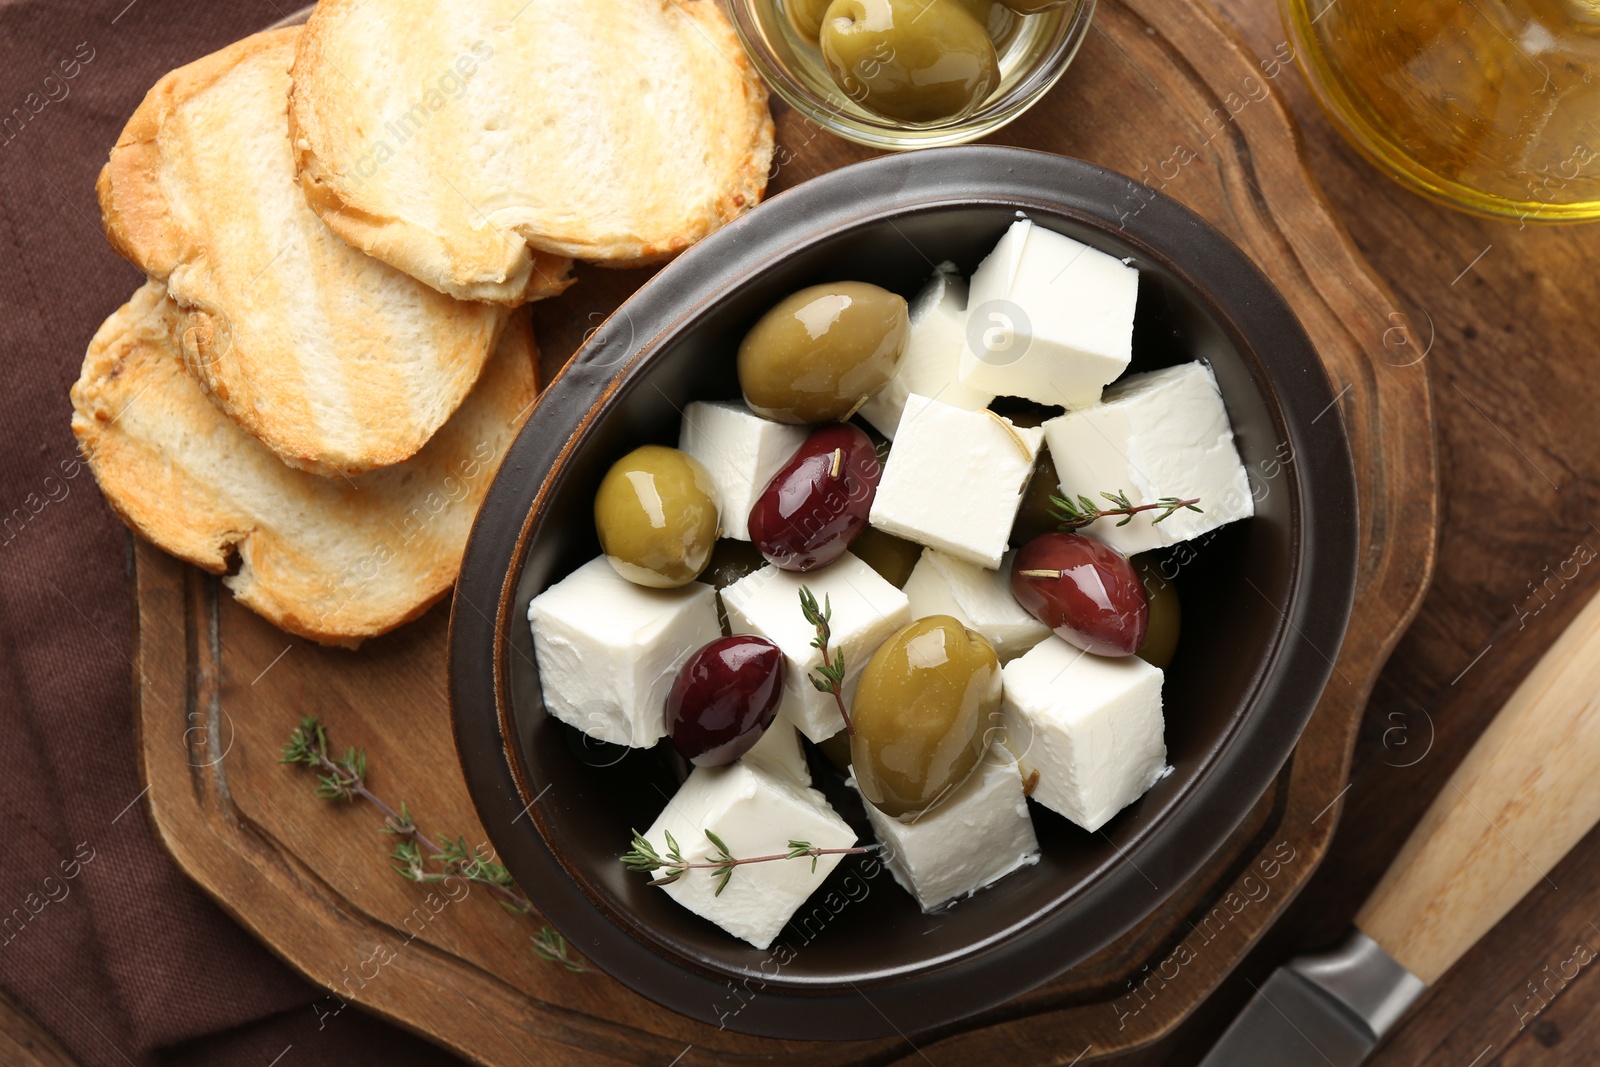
{"x": 1492, "y": 106}
{"x": 1034, "y": 52}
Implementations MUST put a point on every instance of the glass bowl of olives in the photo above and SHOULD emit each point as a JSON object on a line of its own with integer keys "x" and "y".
{"x": 1262, "y": 601}
{"x": 899, "y": 74}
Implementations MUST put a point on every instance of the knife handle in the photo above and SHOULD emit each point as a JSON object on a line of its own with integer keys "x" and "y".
{"x": 1523, "y": 797}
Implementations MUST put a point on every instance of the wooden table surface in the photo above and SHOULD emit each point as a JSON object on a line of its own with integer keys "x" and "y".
{"x": 1516, "y": 393}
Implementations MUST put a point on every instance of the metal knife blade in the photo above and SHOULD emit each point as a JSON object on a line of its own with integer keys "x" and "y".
{"x": 1329, "y": 1009}
{"x": 1521, "y": 794}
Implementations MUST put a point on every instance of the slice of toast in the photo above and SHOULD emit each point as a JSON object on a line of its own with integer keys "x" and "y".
{"x": 452, "y": 138}
{"x": 336, "y": 361}
{"x": 332, "y": 559}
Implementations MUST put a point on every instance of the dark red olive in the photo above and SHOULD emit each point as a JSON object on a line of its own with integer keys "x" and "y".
{"x": 724, "y": 699}
{"x": 1084, "y": 590}
{"x": 818, "y": 503}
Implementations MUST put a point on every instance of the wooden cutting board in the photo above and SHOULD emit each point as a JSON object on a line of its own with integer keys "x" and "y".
{"x": 1161, "y": 90}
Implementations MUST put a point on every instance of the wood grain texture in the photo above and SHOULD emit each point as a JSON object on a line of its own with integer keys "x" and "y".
{"x": 1162, "y": 87}
{"x": 1513, "y": 808}
{"x": 1506, "y": 317}
{"x": 24, "y": 1043}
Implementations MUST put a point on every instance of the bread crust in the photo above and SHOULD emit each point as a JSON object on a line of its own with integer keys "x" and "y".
{"x": 614, "y": 131}
{"x": 337, "y": 362}
{"x": 333, "y": 560}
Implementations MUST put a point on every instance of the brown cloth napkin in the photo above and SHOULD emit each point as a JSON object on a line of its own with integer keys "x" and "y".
{"x": 102, "y": 939}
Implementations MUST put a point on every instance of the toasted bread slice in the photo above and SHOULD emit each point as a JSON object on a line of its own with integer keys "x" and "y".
{"x": 337, "y": 362}
{"x": 451, "y": 138}
{"x": 332, "y": 559}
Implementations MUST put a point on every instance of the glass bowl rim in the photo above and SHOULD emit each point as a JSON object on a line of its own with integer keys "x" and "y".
{"x": 884, "y": 133}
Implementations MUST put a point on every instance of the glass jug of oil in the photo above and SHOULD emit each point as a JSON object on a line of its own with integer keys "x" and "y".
{"x": 1488, "y": 105}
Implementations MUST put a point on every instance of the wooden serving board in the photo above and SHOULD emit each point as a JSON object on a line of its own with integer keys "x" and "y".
{"x": 1161, "y": 90}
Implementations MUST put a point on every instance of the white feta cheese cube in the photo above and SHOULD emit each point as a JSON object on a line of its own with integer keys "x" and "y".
{"x": 866, "y": 611}
{"x": 1089, "y": 726}
{"x": 1048, "y": 318}
{"x": 932, "y": 357}
{"x": 741, "y": 450}
{"x": 954, "y": 479}
{"x": 973, "y": 838}
{"x": 978, "y": 598}
{"x": 779, "y": 753}
{"x": 1160, "y": 434}
{"x": 608, "y": 650}
{"x": 755, "y": 814}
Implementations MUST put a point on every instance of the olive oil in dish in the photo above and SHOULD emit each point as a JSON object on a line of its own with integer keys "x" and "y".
{"x": 1487, "y": 106}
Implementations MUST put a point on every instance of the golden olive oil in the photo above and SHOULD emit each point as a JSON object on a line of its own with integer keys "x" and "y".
{"x": 1489, "y": 105}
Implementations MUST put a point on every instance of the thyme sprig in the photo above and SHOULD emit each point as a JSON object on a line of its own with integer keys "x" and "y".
{"x": 416, "y": 857}
{"x": 644, "y": 857}
{"x": 1076, "y": 514}
{"x": 551, "y": 947}
{"x": 828, "y": 678}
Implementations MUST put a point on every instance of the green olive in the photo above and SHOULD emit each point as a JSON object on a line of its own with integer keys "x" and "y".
{"x": 730, "y": 561}
{"x": 912, "y": 60}
{"x": 836, "y": 747}
{"x": 919, "y": 714}
{"x": 892, "y": 557}
{"x": 656, "y": 514}
{"x": 820, "y": 353}
{"x": 806, "y": 16}
{"x": 1166, "y": 614}
{"x": 1000, "y": 21}
{"x": 1037, "y": 513}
